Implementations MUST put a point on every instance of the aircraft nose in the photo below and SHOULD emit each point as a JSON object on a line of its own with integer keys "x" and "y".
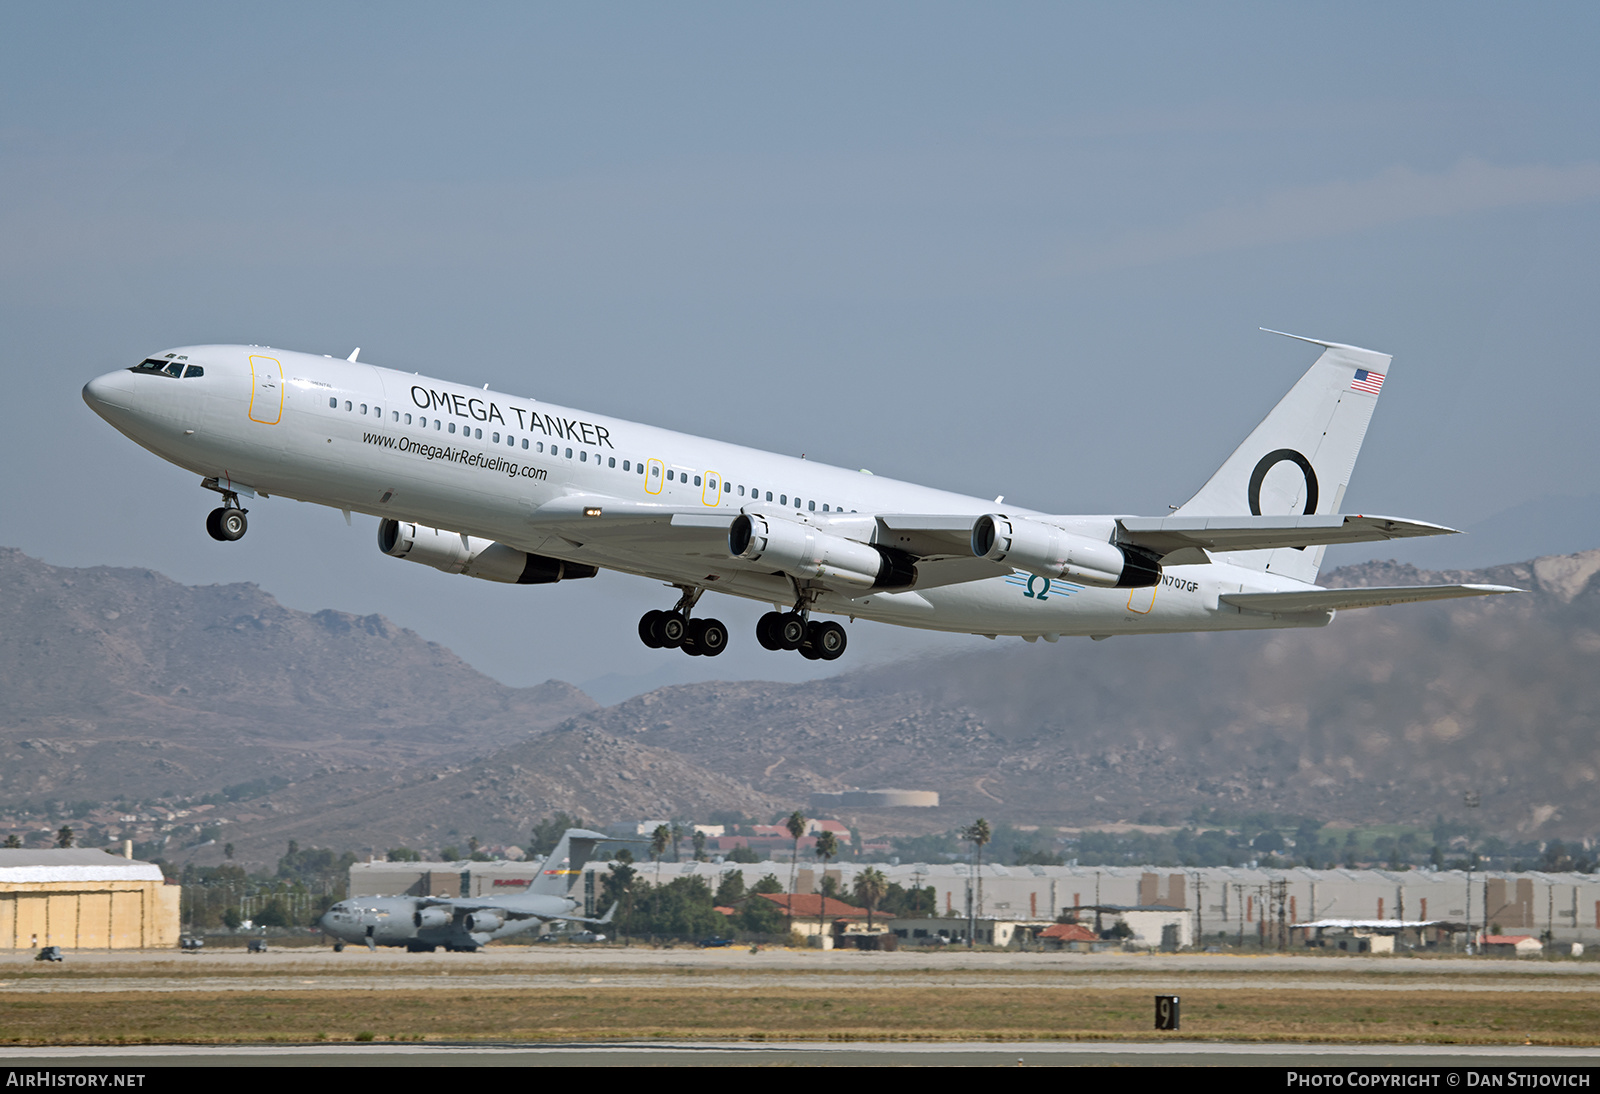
{"x": 105, "y": 392}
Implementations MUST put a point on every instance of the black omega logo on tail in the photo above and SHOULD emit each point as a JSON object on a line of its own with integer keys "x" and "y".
{"x": 1272, "y": 459}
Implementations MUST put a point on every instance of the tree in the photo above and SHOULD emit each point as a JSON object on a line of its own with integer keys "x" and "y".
{"x": 977, "y": 835}
{"x": 227, "y": 851}
{"x": 617, "y": 885}
{"x": 65, "y": 837}
{"x": 699, "y": 845}
{"x": 658, "y": 846}
{"x": 732, "y": 889}
{"x": 827, "y": 848}
{"x": 796, "y": 824}
{"x": 871, "y": 887}
{"x": 743, "y": 854}
{"x": 677, "y": 835}
{"x": 13, "y": 842}
{"x": 403, "y": 854}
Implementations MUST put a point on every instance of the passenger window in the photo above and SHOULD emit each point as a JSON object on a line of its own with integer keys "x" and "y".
{"x": 347, "y": 404}
{"x": 452, "y": 427}
{"x": 583, "y": 457}
{"x": 669, "y": 476}
{"x": 569, "y": 453}
{"x": 525, "y": 443}
{"x": 697, "y": 480}
{"x": 396, "y": 414}
{"x": 769, "y": 495}
{"x": 378, "y": 410}
{"x": 741, "y": 491}
{"x": 627, "y": 465}
{"x": 363, "y": 408}
{"x": 408, "y": 419}
{"x": 812, "y": 506}
{"x": 612, "y": 462}
{"x": 333, "y": 404}
{"x": 783, "y": 499}
{"x": 638, "y": 468}
{"x": 824, "y": 507}
{"x": 477, "y": 434}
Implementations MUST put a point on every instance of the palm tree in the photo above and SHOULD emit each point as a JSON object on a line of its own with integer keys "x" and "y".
{"x": 797, "y": 828}
{"x": 658, "y": 847}
{"x": 979, "y": 835}
{"x": 65, "y": 837}
{"x": 827, "y": 848}
{"x": 871, "y": 887}
{"x": 677, "y": 834}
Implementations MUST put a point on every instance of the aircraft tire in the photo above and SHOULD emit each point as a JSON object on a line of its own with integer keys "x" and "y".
{"x": 214, "y": 525}
{"x": 828, "y": 639}
{"x": 792, "y": 630}
{"x": 769, "y": 631}
{"x": 691, "y": 638}
{"x": 670, "y": 629}
{"x": 712, "y": 637}
{"x": 810, "y": 653}
{"x": 647, "y": 623}
{"x": 232, "y": 524}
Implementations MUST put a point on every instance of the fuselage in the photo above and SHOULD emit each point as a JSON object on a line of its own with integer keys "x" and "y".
{"x": 422, "y": 923}
{"x": 482, "y": 463}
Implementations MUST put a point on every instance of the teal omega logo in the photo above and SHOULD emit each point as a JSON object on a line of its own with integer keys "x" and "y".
{"x": 1042, "y": 594}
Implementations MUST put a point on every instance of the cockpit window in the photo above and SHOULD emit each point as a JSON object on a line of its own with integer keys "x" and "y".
{"x": 166, "y": 367}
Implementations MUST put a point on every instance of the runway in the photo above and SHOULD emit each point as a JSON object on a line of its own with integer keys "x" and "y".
{"x": 804, "y": 1054}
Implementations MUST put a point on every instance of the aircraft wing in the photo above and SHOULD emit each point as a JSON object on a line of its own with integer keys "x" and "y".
{"x": 1164, "y": 535}
{"x": 1324, "y": 600}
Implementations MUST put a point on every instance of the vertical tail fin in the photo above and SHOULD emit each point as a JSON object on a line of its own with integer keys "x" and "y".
{"x": 566, "y": 861}
{"x": 1300, "y": 458}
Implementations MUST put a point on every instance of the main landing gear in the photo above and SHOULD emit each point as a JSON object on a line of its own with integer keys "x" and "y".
{"x": 227, "y": 523}
{"x": 795, "y": 630}
{"x": 675, "y": 630}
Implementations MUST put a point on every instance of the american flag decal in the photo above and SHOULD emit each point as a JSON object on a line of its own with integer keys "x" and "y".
{"x": 1367, "y": 381}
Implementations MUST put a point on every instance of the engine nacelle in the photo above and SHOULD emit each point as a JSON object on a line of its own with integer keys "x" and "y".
{"x": 431, "y": 918}
{"x": 1038, "y": 548}
{"x": 455, "y": 553}
{"x": 484, "y": 922}
{"x": 809, "y": 552}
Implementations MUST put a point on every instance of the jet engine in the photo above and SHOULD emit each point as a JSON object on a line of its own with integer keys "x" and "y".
{"x": 808, "y": 552}
{"x": 431, "y": 918}
{"x": 455, "y": 553}
{"x": 1038, "y": 548}
{"x": 484, "y": 922}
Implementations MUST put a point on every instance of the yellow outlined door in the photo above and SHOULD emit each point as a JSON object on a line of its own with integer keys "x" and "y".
{"x": 654, "y": 476}
{"x": 266, "y": 390}
{"x": 712, "y": 493}
{"x": 1142, "y": 601}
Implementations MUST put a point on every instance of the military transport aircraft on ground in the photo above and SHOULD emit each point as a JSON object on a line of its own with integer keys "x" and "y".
{"x": 510, "y": 489}
{"x": 422, "y": 924}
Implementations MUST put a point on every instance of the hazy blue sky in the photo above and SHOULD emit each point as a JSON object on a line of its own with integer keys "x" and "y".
{"x": 1018, "y": 249}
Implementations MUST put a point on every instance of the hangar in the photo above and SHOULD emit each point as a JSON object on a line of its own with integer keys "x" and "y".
{"x": 84, "y": 899}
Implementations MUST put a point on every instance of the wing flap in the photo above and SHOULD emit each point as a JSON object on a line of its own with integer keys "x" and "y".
{"x": 1165, "y": 535}
{"x": 1327, "y": 600}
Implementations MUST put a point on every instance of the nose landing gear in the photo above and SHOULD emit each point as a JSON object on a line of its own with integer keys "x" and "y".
{"x": 227, "y": 523}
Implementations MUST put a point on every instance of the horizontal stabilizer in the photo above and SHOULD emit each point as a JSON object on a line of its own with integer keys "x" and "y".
{"x": 1164, "y": 535}
{"x": 1329, "y": 600}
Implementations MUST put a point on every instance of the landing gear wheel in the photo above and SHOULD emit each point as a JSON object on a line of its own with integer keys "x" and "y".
{"x": 691, "y": 638}
{"x": 768, "y": 631}
{"x": 668, "y": 630}
{"x": 214, "y": 524}
{"x": 231, "y": 524}
{"x": 710, "y": 637}
{"x": 792, "y": 630}
{"x": 647, "y": 623}
{"x": 828, "y": 639}
{"x": 338, "y": 947}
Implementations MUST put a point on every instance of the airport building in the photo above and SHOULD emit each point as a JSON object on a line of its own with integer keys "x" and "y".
{"x": 84, "y": 899}
{"x": 1216, "y": 902}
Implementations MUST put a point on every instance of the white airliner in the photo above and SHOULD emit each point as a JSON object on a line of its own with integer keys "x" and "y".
{"x": 508, "y": 488}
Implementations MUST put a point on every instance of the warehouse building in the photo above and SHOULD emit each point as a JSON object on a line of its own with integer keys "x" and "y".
{"x": 84, "y": 899}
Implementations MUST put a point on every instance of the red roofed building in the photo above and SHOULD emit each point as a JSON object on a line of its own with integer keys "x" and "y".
{"x": 836, "y": 917}
{"x": 1068, "y": 936}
